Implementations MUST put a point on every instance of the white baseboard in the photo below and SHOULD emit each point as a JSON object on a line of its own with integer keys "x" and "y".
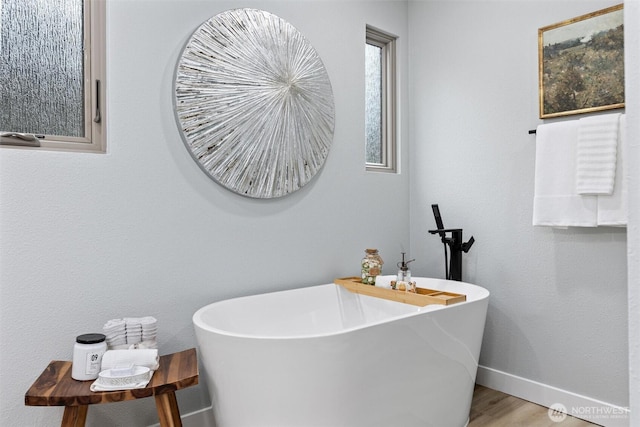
{"x": 576, "y": 405}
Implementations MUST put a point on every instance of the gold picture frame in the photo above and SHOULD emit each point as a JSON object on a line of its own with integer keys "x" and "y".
{"x": 581, "y": 64}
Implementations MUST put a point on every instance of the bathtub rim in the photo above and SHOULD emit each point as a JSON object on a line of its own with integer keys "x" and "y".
{"x": 479, "y": 294}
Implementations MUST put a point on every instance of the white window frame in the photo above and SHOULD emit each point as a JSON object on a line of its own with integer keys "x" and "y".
{"x": 387, "y": 42}
{"x": 94, "y": 91}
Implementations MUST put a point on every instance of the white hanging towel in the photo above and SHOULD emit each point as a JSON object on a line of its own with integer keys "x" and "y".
{"x": 596, "y": 154}
{"x": 555, "y": 201}
{"x": 612, "y": 209}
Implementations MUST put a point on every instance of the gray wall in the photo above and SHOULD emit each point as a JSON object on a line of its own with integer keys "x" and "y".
{"x": 142, "y": 230}
{"x": 632, "y": 64}
{"x": 558, "y": 308}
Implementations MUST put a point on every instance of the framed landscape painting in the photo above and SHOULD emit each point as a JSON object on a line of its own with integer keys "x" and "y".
{"x": 581, "y": 64}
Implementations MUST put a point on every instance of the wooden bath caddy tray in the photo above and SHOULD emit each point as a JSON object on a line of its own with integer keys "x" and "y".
{"x": 421, "y": 298}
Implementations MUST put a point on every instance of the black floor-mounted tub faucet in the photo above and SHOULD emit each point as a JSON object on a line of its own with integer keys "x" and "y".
{"x": 453, "y": 268}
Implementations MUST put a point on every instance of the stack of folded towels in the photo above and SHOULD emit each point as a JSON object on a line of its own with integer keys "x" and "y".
{"x": 131, "y": 333}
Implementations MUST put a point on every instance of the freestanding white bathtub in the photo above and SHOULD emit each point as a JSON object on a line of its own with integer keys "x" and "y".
{"x": 323, "y": 356}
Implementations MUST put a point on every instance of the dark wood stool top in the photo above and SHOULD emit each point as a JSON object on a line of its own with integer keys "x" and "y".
{"x": 55, "y": 387}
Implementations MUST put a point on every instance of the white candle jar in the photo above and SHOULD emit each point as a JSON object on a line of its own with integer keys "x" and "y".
{"x": 87, "y": 356}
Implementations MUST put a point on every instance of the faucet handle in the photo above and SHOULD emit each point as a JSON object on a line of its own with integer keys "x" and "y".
{"x": 466, "y": 246}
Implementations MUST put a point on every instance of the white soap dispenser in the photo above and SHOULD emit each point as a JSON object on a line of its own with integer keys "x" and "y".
{"x": 403, "y": 281}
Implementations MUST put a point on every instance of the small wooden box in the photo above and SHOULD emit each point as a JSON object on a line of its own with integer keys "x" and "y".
{"x": 421, "y": 297}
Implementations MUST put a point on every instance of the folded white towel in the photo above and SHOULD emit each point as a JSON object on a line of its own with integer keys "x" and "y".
{"x": 114, "y": 325}
{"x": 612, "y": 209}
{"x": 134, "y": 330}
{"x": 147, "y": 321}
{"x": 555, "y": 201}
{"x": 596, "y": 154}
{"x": 96, "y": 386}
{"x": 140, "y": 357}
{"x": 144, "y": 344}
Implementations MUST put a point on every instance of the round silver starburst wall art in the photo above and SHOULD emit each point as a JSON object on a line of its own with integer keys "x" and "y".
{"x": 254, "y": 103}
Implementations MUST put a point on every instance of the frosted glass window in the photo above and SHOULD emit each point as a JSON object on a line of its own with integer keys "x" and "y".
{"x": 41, "y": 67}
{"x": 380, "y": 101}
{"x": 52, "y": 72}
{"x": 373, "y": 105}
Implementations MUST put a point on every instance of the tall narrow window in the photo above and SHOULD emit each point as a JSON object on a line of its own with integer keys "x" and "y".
{"x": 380, "y": 101}
{"x": 51, "y": 69}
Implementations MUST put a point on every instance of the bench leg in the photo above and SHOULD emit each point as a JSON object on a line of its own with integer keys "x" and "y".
{"x": 168, "y": 410}
{"x": 74, "y": 416}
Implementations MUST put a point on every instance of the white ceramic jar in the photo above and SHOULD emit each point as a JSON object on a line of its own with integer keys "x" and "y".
{"x": 87, "y": 356}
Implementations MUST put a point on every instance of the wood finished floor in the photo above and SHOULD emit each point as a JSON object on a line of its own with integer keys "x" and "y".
{"x": 491, "y": 408}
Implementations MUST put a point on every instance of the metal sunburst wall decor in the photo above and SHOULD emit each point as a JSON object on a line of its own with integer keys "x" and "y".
{"x": 254, "y": 103}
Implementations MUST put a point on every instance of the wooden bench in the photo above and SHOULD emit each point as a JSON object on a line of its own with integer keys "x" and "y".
{"x": 55, "y": 387}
